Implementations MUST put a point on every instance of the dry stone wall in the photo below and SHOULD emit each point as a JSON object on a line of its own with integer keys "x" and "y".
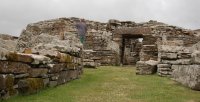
{"x": 43, "y": 58}
{"x": 29, "y": 73}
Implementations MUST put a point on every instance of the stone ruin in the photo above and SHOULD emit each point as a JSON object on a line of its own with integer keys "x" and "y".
{"x": 48, "y": 53}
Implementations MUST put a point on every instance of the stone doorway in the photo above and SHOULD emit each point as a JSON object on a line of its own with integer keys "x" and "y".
{"x": 130, "y": 49}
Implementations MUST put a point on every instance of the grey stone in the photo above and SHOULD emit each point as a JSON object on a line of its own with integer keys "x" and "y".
{"x": 177, "y": 62}
{"x": 53, "y": 83}
{"x": 46, "y": 82}
{"x": 188, "y": 75}
{"x": 19, "y": 76}
{"x": 195, "y": 57}
{"x": 169, "y": 55}
{"x": 38, "y": 72}
{"x": 146, "y": 67}
{"x": 63, "y": 77}
{"x": 164, "y": 65}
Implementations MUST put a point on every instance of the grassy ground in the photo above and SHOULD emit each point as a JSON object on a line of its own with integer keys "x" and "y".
{"x": 114, "y": 84}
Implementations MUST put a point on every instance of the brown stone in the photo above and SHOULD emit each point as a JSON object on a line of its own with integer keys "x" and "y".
{"x": 13, "y": 67}
{"x": 13, "y": 56}
{"x": 38, "y": 72}
{"x": 30, "y": 85}
{"x": 7, "y": 83}
{"x": 55, "y": 68}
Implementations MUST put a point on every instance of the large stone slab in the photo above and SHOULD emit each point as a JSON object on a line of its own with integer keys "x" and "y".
{"x": 27, "y": 58}
{"x": 19, "y": 57}
{"x": 188, "y": 75}
{"x": 13, "y": 67}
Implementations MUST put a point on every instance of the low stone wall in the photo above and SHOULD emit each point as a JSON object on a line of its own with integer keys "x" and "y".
{"x": 29, "y": 73}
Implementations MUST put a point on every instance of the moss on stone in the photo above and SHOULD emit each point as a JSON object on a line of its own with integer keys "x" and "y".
{"x": 35, "y": 84}
{"x": 30, "y": 85}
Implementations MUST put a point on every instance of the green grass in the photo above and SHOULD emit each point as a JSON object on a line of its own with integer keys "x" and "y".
{"x": 114, "y": 84}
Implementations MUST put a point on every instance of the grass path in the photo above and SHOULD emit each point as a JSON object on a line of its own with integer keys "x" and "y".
{"x": 114, "y": 84}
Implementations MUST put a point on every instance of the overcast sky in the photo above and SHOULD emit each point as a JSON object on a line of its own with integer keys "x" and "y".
{"x": 16, "y": 14}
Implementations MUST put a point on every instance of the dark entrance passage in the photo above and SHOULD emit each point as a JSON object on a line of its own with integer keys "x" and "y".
{"x": 130, "y": 49}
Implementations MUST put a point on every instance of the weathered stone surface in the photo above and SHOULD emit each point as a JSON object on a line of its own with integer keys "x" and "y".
{"x": 46, "y": 82}
{"x": 169, "y": 55}
{"x": 38, "y": 72}
{"x": 164, "y": 65}
{"x": 20, "y": 76}
{"x": 13, "y": 67}
{"x": 54, "y": 77}
{"x": 195, "y": 57}
{"x": 73, "y": 74}
{"x": 188, "y": 75}
{"x": 14, "y": 56}
{"x": 44, "y": 42}
{"x": 7, "y": 81}
{"x": 184, "y": 55}
{"x": 55, "y": 68}
{"x": 146, "y": 67}
{"x": 30, "y": 85}
{"x": 170, "y": 49}
{"x": 53, "y": 83}
{"x": 91, "y": 64}
{"x": 63, "y": 77}
{"x": 177, "y": 62}
{"x": 6, "y": 86}
{"x": 8, "y": 42}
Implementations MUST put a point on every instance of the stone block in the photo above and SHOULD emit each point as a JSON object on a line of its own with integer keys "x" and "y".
{"x": 177, "y": 62}
{"x": 195, "y": 57}
{"x": 13, "y": 67}
{"x": 19, "y": 76}
{"x": 146, "y": 67}
{"x": 184, "y": 55}
{"x": 64, "y": 58}
{"x": 13, "y": 56}
{"x": 169, "y": 49}
{"x": 168, "y": 55}
{"x": 38, "y": 72}
{"x": 53, "y": 83}
{"x": 73, "y": 74}
{"x": 7, "y": 85}
{"x": 30, "y": 85}
{"x": 63, "y": 77}
{"x": 72, "y": 66}
{"x": 46, "y": 82}
{"x": 188, "y": 75}
{"x": 164, "y": 65}
{"x": 91, "y": 64}
{"x": 55, "y": 68}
